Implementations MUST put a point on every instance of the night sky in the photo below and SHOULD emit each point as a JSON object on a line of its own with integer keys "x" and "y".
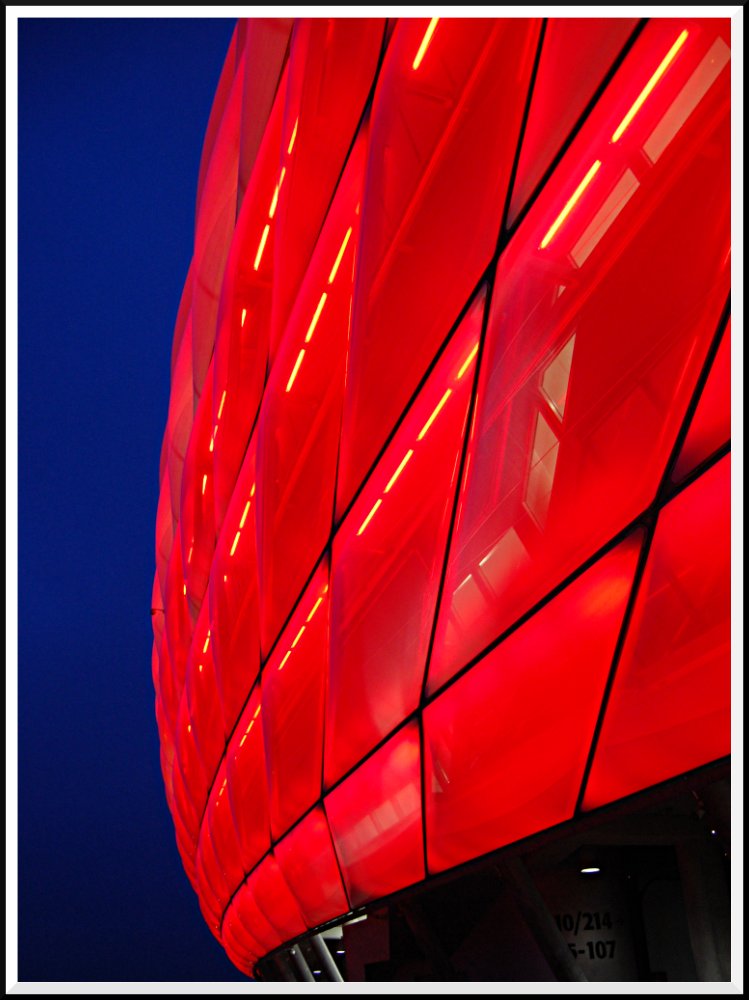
{"x": 112, "y": 115}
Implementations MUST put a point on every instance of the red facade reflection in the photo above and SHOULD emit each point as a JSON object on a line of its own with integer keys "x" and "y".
{"x": 442, "y": 540}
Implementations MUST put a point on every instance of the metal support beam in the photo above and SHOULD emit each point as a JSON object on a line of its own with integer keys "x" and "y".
{"x": 323, "y": 953}
{"x": 301, "y": 963}
{"x": 540, "y": 922}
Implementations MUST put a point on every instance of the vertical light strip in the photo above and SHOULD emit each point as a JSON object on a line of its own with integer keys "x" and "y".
{"x": 316, "y": 317}
{"x": 293, "y": 137}
{"x": 339, "y": 258}
{"x": 425, "y": 42}
{"x": 369, "y": 516}
{"x": 435, "y": 414}
{"x": 467, "y": 363}
{"x": 299, "y": 360}
{"x": 261, "y": 247}
{"x": 398, "y": 471}
{"x": 648, "y": 88}
{"x": 577, "y": 194}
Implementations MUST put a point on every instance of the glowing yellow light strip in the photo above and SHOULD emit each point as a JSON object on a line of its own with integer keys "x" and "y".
{"x": 400, "y": 469}
{"x": 316, "y": 317}
{"x": 200, "y": 668}
{"x": 274, "y": 201}
{"x": 293, "y": 137}
{"x": 244, "y": 316}
{"x": 467, "y": 363}
{"x": 189, "y": 554}
{"x": 184, "y": 589}
{"x": 294, "y": 372}
{"x": 425, "y": 42}
{"x": 205, "y": 480}
{"x": 207, "y": 642}
{"x": 648, "y": 88}
{"x": 234, "y": 544}
{"x": 221, "y": 404}
{"x": 261, "y": 247}
{"x": 283, "y": 661}
{"x": 310, "y": 616}
{"x": 189, "y": 728}
{"x": 435, "y": 414}
{"x": 577, "y": 194}
{"x": 244, "y": 515}
{"x": 299, "y": 635}
{"x": 339, "y": 258}
{"x": 369, "y": 516}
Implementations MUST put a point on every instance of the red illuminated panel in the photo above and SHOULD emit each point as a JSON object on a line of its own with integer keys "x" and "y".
{"x": 375, "y": 819}
{"x": 576, "y": 55}
{"x": 301, "y": 416}
{"x": 387, "y": 559}
{"x": 331, "y": 66}
{"x": 293, "y": 702}
{"x": 214, "y": 224}
{"x": 177, "y": 623}
{"x": 212, "y": 889}
{"x": 589, "y": 368}
{"x": 197, "y": 530}
{"x": 233, "y": 596}
{"x": 669, "y": 709}
{"x": 711, "y": 424}
{"x": 275, "y": 899}
{"x": 204, "y": 702}
{"x": 219, "y": 820}
{"x": 248, "y": 792}
{"x": 241, "y": 352}
{"x": 506, "y": 745}
{"x": 220, "y": 99}
{"x": 179, "y": 419}
{"x": 196, "y": 777}
{"x": 245, "y": 909}
{"x": 308, "y": 862}
{"x": 443, "y": 138}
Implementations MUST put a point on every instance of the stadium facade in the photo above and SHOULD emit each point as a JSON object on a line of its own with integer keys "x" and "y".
{"x": 442, "y": 596}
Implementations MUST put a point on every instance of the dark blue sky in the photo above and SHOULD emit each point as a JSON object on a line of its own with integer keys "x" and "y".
{"x": 112, "y": 115}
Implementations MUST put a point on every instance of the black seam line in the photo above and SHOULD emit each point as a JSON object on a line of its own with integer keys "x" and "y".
{"x": 661, "y": 497}
{"x": 575, "y": 825}
{"x": 471, "y": 415}
{"x": 694, "y": 402}
{"x": 577, "y": 126}
{"x": 642, "y": 560}
{"x": 645, "y": 520}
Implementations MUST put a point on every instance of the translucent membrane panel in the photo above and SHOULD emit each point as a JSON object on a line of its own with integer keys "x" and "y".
{"x": 213, "y": 892}
{"x": 203, "y": 699}
{"x": 293, "y": 702}
{"x": 711, "y": 424}
{"x": 164, "y": 537}
{"x": 179, "y": 419}
{"x": 266, "y": 44}
{"x": 177, "y": 622}
{"x": 589, "y": 367}
{"x": 307, "y": 860}
{"x": 157, "y": 610}
{"x": 220, "y": 100}
{"x": 506, "y": 745}
{"x": 196, "y": 778}
{"x": 245, "y": 909}
{"x": 248, "y": 791}
{"x": 331, "y": 67}
{"x": 445, "y": 123}
{"x": 300, "y": 420}
{"x": 387, "y": 560}
{"x": 275, "y": 899}
{"x": 220, "y": 821}
{"x": 375, "y": 819}
{"x": 169, "y": 692}
{"x": 233, "y": 596}
{"x": 669, "y": 709}
{"x": 214, "y": 224}
{"x": 183, "y": 313}
{"x": 197, "y": 530}
{"x": 576, "y": 55}
{"x": 188, "y": 812}
{"x": 241, "y": 351}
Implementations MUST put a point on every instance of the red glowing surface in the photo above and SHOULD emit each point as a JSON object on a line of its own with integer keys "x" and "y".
{"x": 506, "y": 745}
{"x": 375, "y": 819}
{"x": 331, "y": 592}
{"x": 670, "y": 705}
